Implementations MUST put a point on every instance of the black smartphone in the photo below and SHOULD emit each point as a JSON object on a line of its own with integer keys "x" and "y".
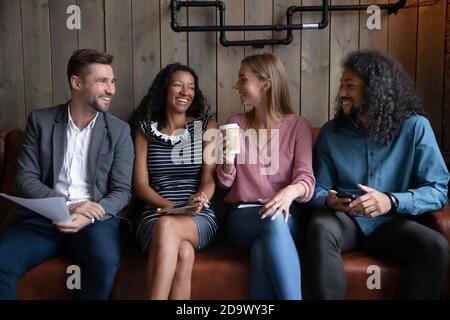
{"x": 346, "y": 195}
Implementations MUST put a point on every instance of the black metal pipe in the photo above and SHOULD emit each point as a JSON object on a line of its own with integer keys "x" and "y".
{"x": 343, "y": 7}
{"x": 176, "y": 5}
{"x": 324, "y": 22}
{"x": 277, "y": 27}
{"x": 392, "y": 8}
{"x": 255, "y": 43}
{"x": 218, "y": 4}
{"x": 289, "y": 36}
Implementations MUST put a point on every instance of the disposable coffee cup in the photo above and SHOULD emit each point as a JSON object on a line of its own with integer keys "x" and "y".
{"x": 231, "y": 131}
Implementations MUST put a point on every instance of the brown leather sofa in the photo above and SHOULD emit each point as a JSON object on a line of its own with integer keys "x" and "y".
{"x": 220, "y": 272}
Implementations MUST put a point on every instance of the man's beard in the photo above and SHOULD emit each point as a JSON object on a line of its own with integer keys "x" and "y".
{"x": 96, "y": 106}
{"x": 354, "y": 114}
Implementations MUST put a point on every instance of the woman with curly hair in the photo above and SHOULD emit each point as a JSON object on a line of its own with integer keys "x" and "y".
{"x": 377, "y": 164}
{"x": 170, "y": 171}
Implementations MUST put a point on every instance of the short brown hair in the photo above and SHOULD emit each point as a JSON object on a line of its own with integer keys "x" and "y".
{"x": 81, "y": 59}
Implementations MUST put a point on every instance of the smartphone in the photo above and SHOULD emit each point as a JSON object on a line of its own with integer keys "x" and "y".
{"x": 346, "y": 195}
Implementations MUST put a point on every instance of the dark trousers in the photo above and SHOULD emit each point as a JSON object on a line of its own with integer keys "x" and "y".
{"x": 34, "y": 239}
{"x": 423, "y": 250}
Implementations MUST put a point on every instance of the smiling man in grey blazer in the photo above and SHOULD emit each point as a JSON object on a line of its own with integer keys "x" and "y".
{"x": 79, "y": 151}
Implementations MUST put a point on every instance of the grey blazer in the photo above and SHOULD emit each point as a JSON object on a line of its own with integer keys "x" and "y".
{"x": 110, "y": 158}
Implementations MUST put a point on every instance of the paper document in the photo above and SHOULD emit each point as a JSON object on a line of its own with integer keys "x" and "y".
{"x": 53, "y": 208}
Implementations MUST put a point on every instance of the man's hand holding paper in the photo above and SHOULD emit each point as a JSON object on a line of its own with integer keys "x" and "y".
{"x": 75, "y": 224}
{"x": 53, "y": 208}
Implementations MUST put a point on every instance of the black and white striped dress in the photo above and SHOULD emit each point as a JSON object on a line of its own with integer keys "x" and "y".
{"x": 174, "y": 169}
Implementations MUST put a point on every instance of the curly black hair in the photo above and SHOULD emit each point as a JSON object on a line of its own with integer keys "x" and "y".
{"x": 389, "y": 96}
{"x": 153, "y": 106}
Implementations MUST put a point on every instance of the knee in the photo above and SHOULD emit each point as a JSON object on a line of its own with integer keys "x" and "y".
{"x": 103, "y": 263}
{"x": 275, "y": 226}
{"x": 163, "y": 229}
{"x": 441, "y": 245}
{"x": 322, "y": 228}
{"x": 436, "y": 247}
{"x": 186, "y": 254}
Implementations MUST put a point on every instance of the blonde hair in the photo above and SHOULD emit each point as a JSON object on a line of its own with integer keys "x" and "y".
{"x": 267, "y": 66}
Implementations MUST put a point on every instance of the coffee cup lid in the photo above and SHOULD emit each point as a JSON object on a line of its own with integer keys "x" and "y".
{"x": 229, "y": 126}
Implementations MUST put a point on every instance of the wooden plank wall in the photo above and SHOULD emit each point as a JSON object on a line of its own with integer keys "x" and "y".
{"x": 35, "y": 46}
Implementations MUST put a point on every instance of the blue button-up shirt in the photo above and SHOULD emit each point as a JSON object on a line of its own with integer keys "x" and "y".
{"x": 411, "y": 167}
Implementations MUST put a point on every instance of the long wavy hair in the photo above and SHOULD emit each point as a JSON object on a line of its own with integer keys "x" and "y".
{"x": 267, "y": 66}
{"x": 153, "y": 106}
{"x": 389, "y": 97}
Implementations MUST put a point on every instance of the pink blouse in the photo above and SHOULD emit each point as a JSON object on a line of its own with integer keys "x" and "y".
{"x": 261, "y": 174}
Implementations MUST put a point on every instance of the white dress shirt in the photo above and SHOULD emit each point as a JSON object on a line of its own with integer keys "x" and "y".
{"x": 73, "y": 180}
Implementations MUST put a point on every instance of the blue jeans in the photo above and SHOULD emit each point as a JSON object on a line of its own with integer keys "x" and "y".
{"x": 275, "y": 264}
{"x": 34, "y": 239}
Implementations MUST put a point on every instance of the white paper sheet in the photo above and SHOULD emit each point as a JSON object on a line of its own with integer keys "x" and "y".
{"x": 53, "y": 208}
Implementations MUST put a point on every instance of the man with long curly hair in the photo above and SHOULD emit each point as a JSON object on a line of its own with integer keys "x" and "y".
{"x": 377, "y": 165}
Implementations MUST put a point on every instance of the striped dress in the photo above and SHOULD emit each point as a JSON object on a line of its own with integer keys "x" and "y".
{"x": 174, "y": 168}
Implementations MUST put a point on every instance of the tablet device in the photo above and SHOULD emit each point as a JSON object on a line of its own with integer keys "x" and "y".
{"x": 181, "y": 209}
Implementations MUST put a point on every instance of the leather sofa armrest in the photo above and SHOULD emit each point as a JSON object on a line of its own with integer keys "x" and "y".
{"x": 439, "y": 221}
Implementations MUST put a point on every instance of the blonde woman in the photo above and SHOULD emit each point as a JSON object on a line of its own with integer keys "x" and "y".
{"x": 268, "y": 223}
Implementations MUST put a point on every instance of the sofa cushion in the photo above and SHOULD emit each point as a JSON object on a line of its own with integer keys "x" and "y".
{"x": 391, "y": 276}
{"x": 220, "y": 272}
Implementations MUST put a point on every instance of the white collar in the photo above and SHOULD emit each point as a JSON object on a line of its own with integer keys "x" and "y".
{"x": 74, "y": 126}
{"x": 172, "y": 138}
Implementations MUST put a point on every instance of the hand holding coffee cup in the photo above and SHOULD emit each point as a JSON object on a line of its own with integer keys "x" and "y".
{"x": 231, "y": 141}
{"x": 228, "y": 158}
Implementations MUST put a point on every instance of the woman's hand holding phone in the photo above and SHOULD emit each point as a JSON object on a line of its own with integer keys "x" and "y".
{"x": 200, "y": 200}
